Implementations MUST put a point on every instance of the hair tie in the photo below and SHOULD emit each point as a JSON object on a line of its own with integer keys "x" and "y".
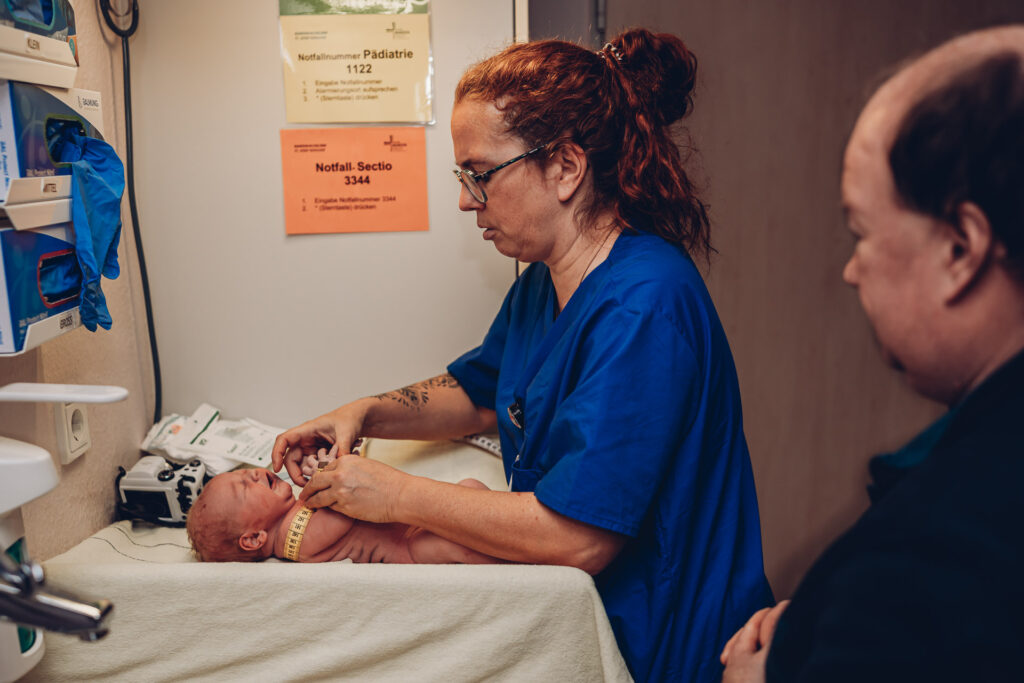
{"x": 610, "y": 49}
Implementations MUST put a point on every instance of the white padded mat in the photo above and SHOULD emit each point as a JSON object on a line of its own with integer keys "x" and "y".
{"x": 176, "y": 619}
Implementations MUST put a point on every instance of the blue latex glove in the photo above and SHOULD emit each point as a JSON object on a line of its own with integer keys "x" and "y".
{"x": 32, "y": 10}
{"x": 60, "y": 278}
{"x": 97, "y": 183}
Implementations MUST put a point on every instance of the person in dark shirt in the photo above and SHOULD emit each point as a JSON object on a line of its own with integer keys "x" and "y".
{"x": 929, "y": 584}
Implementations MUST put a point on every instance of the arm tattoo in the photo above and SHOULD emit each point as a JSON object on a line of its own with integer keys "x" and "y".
{"x": 416, "y": 396}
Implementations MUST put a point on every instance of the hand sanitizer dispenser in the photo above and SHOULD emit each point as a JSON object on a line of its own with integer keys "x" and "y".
{"x": 26, "y": 472}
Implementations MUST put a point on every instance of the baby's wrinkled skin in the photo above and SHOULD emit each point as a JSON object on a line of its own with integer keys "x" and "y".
{"x": 244, "y": 515}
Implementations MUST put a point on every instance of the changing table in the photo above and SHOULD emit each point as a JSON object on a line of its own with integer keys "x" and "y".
{"x": 177, "y": 619}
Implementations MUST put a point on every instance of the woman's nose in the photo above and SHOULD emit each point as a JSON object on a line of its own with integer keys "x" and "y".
{"x": 467, "y": 202}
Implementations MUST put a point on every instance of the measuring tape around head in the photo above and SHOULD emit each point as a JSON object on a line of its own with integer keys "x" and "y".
{"x": 296, "y": 530}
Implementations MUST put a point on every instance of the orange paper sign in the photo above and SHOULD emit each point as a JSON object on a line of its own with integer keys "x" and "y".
{"x": 354, "y": 180}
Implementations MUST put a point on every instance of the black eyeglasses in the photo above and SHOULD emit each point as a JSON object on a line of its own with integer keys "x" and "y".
{"x": 472, "y": 180}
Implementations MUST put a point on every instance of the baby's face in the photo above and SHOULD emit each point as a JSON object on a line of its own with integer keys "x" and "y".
{"x": 256, "y": 498}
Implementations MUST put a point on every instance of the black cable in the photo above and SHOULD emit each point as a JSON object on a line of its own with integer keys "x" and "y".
{"x": 108, "y": 12}
{"x": 125, "y": 34}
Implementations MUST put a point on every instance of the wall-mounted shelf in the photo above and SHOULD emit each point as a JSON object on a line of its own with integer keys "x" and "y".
{"x": 59, "y": 74}
{"x": 62, "y": 393}
{"x": 38, "y": 50}
{"x": 36, "y": 202}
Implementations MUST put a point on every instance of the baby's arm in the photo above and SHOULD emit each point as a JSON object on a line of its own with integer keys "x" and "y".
{"x": 323, "y": 532}
{"x": 331, "y": 536}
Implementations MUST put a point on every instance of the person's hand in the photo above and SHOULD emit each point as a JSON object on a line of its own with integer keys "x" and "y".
{"x": 358, "y": 487}
{"x": 336, "y": 431}
{"x": 745, "y": 654}
{"x": 314, "y": 462}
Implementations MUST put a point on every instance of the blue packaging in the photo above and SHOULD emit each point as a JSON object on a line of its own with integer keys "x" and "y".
{"x": 30, "y": 118}
{"x": 38, "y": 286}
{"x": 47, "y": 18}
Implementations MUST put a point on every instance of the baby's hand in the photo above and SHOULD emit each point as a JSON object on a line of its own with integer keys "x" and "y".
{"x": 314, "y": 462}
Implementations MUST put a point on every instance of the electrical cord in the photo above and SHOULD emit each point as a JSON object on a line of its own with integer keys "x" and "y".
{"x": 132, "y": 15}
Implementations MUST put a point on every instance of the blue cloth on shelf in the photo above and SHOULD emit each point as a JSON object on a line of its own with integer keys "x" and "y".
{"x": 97, "y": 183}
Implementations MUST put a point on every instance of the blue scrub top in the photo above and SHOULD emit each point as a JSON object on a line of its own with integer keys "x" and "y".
{"x": 630, "y": 421}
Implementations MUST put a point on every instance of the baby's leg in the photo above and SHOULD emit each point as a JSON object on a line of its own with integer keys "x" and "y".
{"x": 429, "y": 548}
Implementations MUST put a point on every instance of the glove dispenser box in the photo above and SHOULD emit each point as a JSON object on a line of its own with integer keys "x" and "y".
{"x": 38, "y": 42}
{"x": 40, "y": 283}
{"x": 35, "y": 189}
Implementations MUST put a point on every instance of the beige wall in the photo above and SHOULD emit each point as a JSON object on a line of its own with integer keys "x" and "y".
{"x": 779, "y": 88}
{"x": 84, "y": 500}
{"x": 275, "y": 327}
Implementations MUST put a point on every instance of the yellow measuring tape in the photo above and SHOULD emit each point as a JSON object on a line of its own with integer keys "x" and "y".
{"x": 296, "y": 530}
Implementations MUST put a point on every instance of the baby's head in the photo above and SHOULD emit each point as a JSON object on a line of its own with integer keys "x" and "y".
{"x": 235, "y": 514}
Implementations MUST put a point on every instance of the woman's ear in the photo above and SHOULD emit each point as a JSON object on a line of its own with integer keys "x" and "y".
{"x": 568, "y": 165}
{"x": 971, "y": 246}
{"x": 252, "y": 540}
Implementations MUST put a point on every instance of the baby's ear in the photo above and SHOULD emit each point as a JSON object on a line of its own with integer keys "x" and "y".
{"x": 252, "y": 540}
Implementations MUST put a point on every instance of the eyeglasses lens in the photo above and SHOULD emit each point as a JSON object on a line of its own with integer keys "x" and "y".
{"x": 474, "y": 188}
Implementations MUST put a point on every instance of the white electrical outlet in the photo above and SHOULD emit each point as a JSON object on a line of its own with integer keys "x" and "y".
{"x": 72, "y": 430}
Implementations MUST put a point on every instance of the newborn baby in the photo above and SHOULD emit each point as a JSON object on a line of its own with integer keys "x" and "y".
{"x": 251, "y": 514}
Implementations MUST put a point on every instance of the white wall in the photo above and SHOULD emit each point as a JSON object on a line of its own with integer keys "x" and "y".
{"x": 282, "y": 328}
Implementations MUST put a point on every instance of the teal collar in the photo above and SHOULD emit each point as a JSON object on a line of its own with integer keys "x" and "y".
{"x": 888, "y": 469}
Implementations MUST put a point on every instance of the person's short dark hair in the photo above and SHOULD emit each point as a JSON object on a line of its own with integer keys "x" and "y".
{"x": 964, "y": 142}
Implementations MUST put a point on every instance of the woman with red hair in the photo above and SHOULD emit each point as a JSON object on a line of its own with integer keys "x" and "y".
{"x": 606, "y": 371}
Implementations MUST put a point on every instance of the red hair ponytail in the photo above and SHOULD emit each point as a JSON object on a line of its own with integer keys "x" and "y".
{"x": 617, "y": 105}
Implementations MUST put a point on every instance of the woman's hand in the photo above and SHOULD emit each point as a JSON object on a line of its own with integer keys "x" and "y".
{"x": 336, "y": 431}
{"x": 745, "y": 654}
{"x": 436, "y": 408}
{"x": 358, "y": 487}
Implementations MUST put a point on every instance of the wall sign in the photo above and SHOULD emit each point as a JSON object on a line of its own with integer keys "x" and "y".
{"x": 354, "y": 179}
{"x": 356, "y": 61}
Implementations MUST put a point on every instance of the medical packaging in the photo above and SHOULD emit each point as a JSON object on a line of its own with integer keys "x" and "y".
{"x": 38, "y": 42}
{"x": 220, "y": 444}
{"x": 40, "y": 282}
{"x": 35, "y": 189}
